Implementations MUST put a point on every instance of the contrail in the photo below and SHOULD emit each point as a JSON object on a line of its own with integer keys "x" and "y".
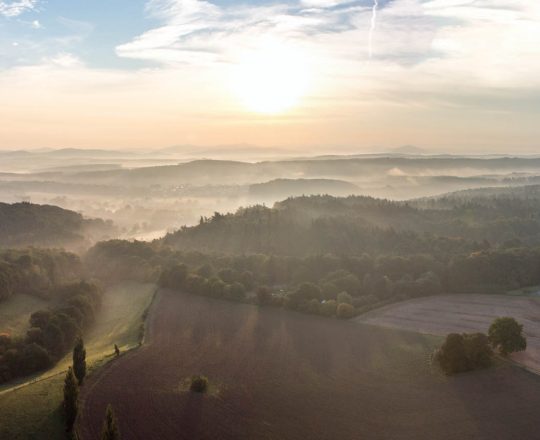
{"x": 373, "y": 24}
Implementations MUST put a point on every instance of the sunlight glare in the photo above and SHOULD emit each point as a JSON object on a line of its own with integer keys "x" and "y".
{"x": 272, "y": 79}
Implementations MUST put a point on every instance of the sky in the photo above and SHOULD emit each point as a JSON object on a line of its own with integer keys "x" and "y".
{"x": 444, "y": 75}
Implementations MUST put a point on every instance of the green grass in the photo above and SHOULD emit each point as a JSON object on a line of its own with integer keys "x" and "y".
{"x": 16, "y": 311}
{"x": 31, "y": 410}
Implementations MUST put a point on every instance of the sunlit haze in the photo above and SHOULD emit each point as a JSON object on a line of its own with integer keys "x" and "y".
{"x": 446, "y": 75}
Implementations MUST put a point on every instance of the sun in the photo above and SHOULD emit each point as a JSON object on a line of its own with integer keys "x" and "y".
{"x": 271, "y": 79}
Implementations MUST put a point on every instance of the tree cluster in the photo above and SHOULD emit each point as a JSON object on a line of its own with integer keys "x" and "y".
{"x": 52, "y": 332}
{"x": 471, "y": 351}
{"x": 36, "y": 271}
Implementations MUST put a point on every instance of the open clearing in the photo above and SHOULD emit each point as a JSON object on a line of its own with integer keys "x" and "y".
{"x": 31, "y": 410}
{"x": 280, "y": 375}
{"x": 440, "y": 315}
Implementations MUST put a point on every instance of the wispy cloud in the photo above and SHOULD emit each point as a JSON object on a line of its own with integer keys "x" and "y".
{"x": 480, "y": 42}
{"x": 16, "y": 8}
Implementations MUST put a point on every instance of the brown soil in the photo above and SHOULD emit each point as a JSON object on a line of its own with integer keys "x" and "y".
{"x": 276, "y": 374}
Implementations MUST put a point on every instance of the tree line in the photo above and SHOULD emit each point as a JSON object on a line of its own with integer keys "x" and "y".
{"x": 365, "y": 281}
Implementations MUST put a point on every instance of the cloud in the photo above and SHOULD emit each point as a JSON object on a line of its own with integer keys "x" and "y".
{"x": 199, "y": 31}
{"x": 463, "y": 68}
{"x": 65, "y": 60}
{"x": 16, "y": 8}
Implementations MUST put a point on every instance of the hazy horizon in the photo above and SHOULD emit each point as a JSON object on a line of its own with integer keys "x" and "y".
{"x": 447, "y": 75}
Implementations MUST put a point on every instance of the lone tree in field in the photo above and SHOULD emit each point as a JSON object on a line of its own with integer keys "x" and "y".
{"x": 199, "y": 384}
{"x": 79, "y": 360}
{"x": 464, "y": 352}
{"x": 110, "y": 429}
{"x": 71, "y": 396}
{"x": 506, "y": 334}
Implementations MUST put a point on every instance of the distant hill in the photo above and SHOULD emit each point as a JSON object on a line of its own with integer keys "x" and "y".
{"x": 26, "y": 224}
{"x": 352, "y": 169}
{"x": 410, "y": 149}
{"x": 283, "y": 188}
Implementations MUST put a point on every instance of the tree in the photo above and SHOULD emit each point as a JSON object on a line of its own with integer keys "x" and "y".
{"x": 465, "y": 352}
{"x": 506, "y": 335}
{"x": 71, "y": 396}
{"x": 110, "y": 429}
{"x": 344, "y": 298}
{"x": 264, "y": 295}
{"x": 199, "y": 384}
{"x": 79, "y": 360}
{"x": 452, "y": 356}
{"x": 345, "y": 311}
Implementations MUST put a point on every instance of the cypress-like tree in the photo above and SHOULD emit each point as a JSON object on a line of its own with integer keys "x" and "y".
{"x": 110, "y": 429}
{"x": 79, "y": 360}
{"x": 71, "y": 396}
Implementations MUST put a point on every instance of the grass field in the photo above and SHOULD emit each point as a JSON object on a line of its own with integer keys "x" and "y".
{"x": 440, "y": 315}
{"x": 276, "y": 374}
{"x": 32, "y": 410}
{"x": 16, "y": 311}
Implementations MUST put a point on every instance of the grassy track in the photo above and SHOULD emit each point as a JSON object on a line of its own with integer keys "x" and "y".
{"x": 32, "y": 410}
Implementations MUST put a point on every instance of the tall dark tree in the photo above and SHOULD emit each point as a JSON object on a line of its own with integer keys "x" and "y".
{"x": 79, "y": 360}
{"x": 71, "y": 399}
{"x": 110, "y": 429}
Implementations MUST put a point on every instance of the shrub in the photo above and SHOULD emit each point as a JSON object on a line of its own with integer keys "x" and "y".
{"x": 345, "y": 311}
{"x": 344, "y": 298}
{"x": 328, "y": 308}
{"x": 464, "y": 352}
{"x": 304, "y": 293}
{"x": 199, "y": 384}
{"x": 264, "y": 295}
{"x": 314, "y": 307}
{"x": 235, "y": 291}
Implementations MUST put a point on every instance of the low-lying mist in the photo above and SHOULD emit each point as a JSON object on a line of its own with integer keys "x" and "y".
{"x": 147, "y": 194}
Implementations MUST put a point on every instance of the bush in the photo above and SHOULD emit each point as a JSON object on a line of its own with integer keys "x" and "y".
{"x": 345, "y": 311}
{"x": 328, "y": 308}
{"x": 313, "y": 307}
{"x": 235, "y": 291}
{"x": 264, "y": 295}
{"x": 464, "y": 352}
{"x": 199, "y": 384}
{"x": 344, "y": 298}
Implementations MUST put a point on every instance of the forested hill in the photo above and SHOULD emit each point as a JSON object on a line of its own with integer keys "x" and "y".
{"x": 354, "y": 225}
{"x": 26, "y": 224}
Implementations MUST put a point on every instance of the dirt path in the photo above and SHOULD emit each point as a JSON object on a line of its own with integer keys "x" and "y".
{"x": 280, "y": 375}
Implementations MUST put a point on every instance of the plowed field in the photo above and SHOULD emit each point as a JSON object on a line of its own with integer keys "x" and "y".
{"x": 280, "y": 375}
